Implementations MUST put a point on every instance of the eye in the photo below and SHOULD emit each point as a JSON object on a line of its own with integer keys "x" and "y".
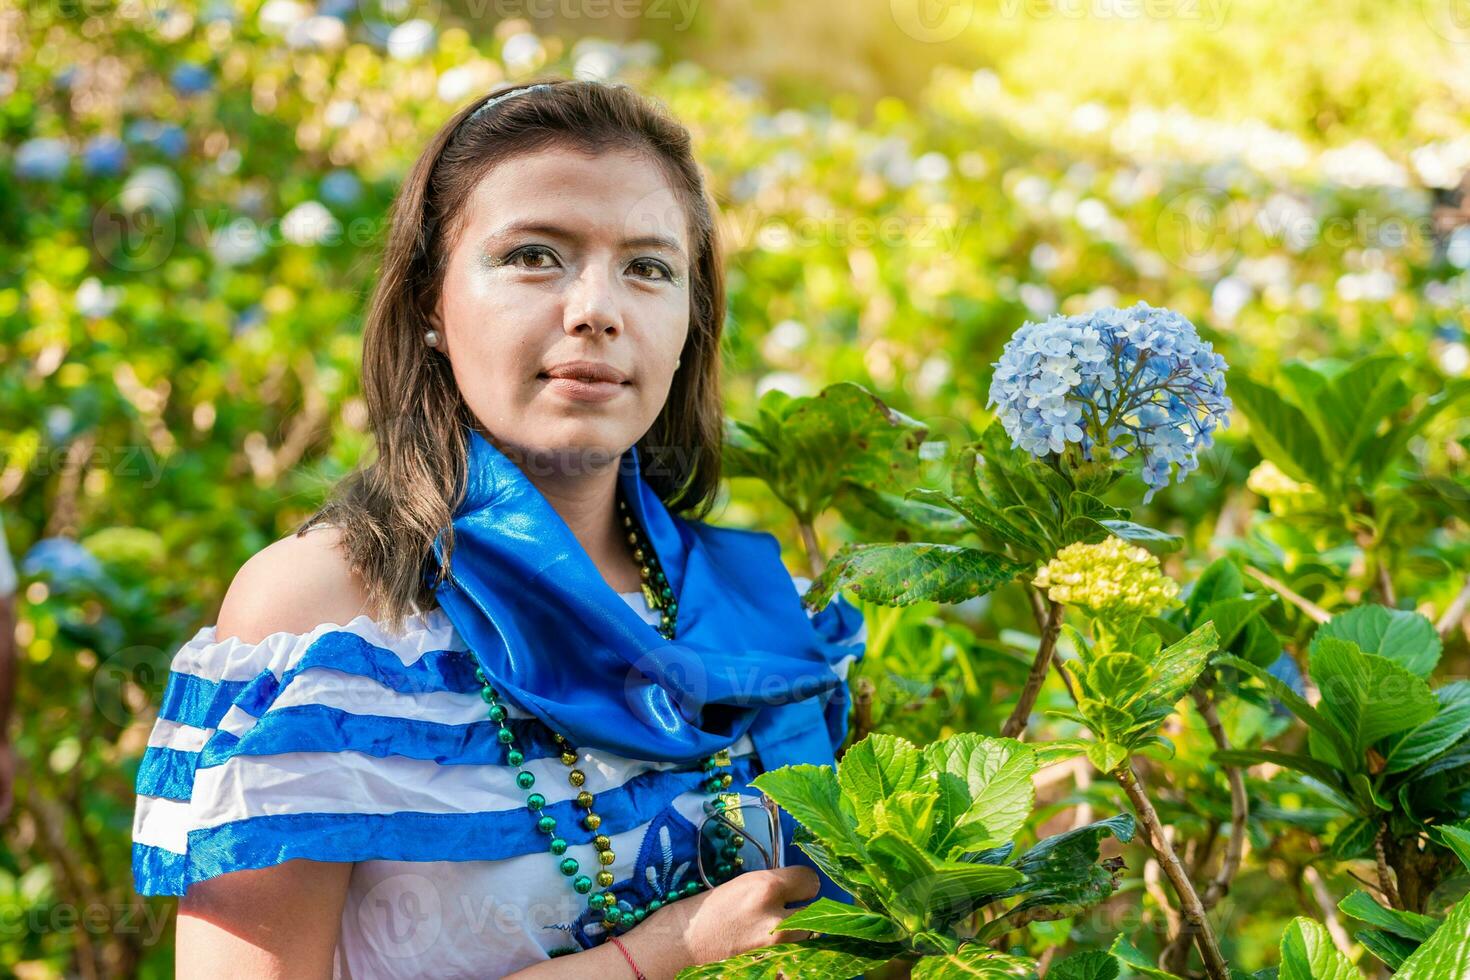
{"x": 532, "y": 257}
{"x": 651, "y": 269}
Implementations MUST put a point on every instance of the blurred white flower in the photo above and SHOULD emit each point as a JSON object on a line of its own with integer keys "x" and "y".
{"x": 932, "y": 167}
{"x": 318, "y": 33}
{"x": 1228, "y": 297}
{"x": 237, "y": 243}
{"x": 523, "y": 53}
{"x": 279, "y": 16}
{"x": 309, "y": 223}
{"x": 791, "y": 383}
{"x": 411, "y": 39}
{"x": 151, "y": 187}
{"x": 1040, "y": 300}
{"x": 1457, "y": 249}
{"x": 94, "y": 300}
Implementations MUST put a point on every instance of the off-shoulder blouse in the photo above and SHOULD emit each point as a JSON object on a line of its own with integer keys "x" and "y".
{"x": 350, "y": 744}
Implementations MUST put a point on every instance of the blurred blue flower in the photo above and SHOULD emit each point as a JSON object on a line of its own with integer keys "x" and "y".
{"x": 42, "y": 158}
{"x": 168, "y": 138}
{"x": 1131, "y": 383}
{"x": 63, "y": 561}
{"x": 104, "y": 156}
{"x": 191, "y": 79}
{"x": 247, "y": 320}
{"x": 64, "y": 79}
{"x": 341, "y": 187}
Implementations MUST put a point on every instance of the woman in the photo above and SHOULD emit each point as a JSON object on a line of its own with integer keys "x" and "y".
{"x": 473, "y": 718}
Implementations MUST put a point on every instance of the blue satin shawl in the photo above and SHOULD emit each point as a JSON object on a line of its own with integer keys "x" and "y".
{"x": 557, "y": 641}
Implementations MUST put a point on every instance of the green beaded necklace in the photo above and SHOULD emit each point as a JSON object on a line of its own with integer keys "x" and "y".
{"x": 616, "y": 914}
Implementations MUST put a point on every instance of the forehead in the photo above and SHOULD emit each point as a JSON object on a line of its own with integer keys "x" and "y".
{"x": 614, "y": 195}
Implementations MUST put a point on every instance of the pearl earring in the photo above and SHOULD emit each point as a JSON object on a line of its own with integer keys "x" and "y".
{"x": 677, "y": 362}
{"x": 431, "y": 337}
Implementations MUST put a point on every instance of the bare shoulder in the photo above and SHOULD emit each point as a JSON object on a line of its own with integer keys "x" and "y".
{"x": 292, "y": 585}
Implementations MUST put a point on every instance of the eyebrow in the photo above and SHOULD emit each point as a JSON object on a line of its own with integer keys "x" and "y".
{"x": 565, "y": 234}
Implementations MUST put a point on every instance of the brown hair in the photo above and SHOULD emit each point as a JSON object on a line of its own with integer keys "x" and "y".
{"x": 391, "y": 510}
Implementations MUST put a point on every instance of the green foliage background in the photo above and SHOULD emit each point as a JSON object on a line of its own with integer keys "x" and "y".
{"x": 177, "y": 359}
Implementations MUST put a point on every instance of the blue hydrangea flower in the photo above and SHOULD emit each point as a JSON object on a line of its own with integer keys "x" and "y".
{"x": 1117, "y": 383}
{"x": 191, "y": 79}
{"x": 63, "y": 561}
{"x": 104, "y": 156}
{"x": 42, "y": 158}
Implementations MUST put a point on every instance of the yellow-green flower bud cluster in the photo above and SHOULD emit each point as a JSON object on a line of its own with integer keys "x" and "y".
{"x": 1112, "y": 578}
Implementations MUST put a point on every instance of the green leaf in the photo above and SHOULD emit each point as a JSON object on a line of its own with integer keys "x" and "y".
{"x": 1282, "y": 432}
{"x": 1377, "y": 455}
{"x": 973, "y": 960}
{"x": 1391, "y": 949}
{"x": 996, "y": 777}
{"x": 1405, "y": 637}
{"x": 906, "y": 573}
{"x": 876, "y": 768}
{"x": 1354, "y": 840}
{"x": 1444, "y": 954}
{"x": 807, "y": 448}
{"x": 979, "y": 514}
{"x": 1179, "y": 664}
{"x": 836, "y": 919}
{"x": 1304, "y": 764}
{"x": 1450, "y": 724}
{"x": 1307, "y": 953}
{"x": 1131, "y": 957}
{"x": 810, "y": 794}
{"x": 916, "y": 885}
{"x": 882, "y": 515}
{"x": 1364, "y": 396}
{"x": 1456, "y": 837}
{"x": 1151, "y": 538}
{"x": 1367, "y": 697}
{"x": 1411, "y": 925}
{"x": 826, "y": 958}
{"x": 1092, "y": 964}
{"x": 1231, "y": 616}
{"x": 1296, "y": 703}
{"x": 1220, "y": 580}
{"x": 1062, "y": 871}
{"x": 1106, "y": 756}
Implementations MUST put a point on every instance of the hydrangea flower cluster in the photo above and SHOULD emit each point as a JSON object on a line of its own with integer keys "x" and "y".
{"x": 1285, "y": 496}
{"x": 1112, "y": 579}
{"x": 1135, "y": 382}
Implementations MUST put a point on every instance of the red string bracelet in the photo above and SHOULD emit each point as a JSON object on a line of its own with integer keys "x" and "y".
{"x": 637, "y": 973}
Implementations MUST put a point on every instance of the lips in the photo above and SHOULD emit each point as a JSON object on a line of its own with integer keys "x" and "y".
{"x": 587, "y": 372}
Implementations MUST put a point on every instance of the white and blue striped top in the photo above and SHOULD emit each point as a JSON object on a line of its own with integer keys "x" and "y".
{"x": 350, "y": 744}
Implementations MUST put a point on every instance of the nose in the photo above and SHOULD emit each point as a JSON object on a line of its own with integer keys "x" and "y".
{"x": 591, "y": 306}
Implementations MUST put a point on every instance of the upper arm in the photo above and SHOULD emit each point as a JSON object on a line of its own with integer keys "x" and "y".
{"x": 281, "y": 920}
{"x": 293, "y": 586}
{"x": 276, "y": 922}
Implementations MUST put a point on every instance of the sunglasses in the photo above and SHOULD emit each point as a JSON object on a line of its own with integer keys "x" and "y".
{"x": 740, "y": 832}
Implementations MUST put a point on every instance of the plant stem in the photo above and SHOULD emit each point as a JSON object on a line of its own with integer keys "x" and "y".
{"x": 814, "y": 560}
{"x": 1385, "y": 877}
{"x": 1325, "y": 902}
{"x": 1239, "y": 804}
{"x": 1189, "y": 903}
{"x": 1051, "y": 626}
{"x": 1454, "y": 613}
{"x": 1314, "y": 612}
{"x": 1175, "y": 954}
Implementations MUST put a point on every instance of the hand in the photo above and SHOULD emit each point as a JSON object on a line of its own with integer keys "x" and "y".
{"x": 733, "y": 918}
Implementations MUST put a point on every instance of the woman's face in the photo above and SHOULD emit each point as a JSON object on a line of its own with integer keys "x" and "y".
{"x": 564, "y": 257}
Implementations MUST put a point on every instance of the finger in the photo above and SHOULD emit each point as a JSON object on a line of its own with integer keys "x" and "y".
{"x": 793, "y": 936}
{"x": 797, "y": 883}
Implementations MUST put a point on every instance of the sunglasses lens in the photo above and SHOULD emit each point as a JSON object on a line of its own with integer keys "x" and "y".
{"x": 735, "y": 840}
